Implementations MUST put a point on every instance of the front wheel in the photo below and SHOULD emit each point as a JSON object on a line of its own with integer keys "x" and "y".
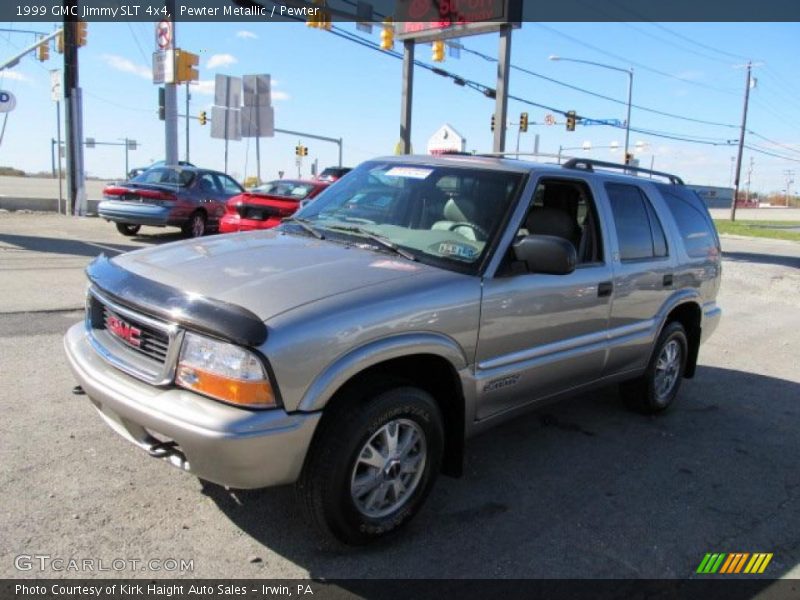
{"x": 128, "y": 230}
{"x": 656, "y": 390}
{"x": 373, "y": 464}
{"x": 195, "y": 226}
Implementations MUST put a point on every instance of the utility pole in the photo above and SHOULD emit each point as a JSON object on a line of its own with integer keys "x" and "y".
{"x": 749, "y": 177}
{"x": 741, "y": 140}
{"x": 406, "y": 99}
{"x": 501, "y": 100}
{"x": 171, "y": 99}
{"x": 188, "y": 98}
{"x": 73, "y": 114}
{"x": 789, "y": 174}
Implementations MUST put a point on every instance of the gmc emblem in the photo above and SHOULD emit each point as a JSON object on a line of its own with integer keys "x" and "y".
{"x": 124, "y": 331}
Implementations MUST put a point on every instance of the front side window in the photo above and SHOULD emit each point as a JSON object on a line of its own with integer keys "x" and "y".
{"x": 639, "y": 232}
{"x": 444, "y": 215}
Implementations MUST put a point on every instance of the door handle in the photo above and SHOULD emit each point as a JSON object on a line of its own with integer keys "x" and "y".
{"x": 667, "y": 281}
{"x": 604, "y": 289}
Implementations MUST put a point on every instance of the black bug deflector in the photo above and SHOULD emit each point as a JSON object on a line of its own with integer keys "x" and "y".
{"x": 198, "y": 313}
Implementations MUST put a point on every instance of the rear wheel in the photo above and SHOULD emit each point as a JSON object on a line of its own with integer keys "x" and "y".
{"x": 373, "y": 464}
{"x": 128, "y": 230}
{"x": 657, "y": 388}
{"x": 195, "y": 226}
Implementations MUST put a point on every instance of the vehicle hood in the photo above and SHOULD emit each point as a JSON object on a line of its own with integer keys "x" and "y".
{"x": 267, "y": 272}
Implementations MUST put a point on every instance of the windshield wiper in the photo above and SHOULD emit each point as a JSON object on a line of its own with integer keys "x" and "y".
{"x": 304, "y": 224}
{"x": 379, "y": 239}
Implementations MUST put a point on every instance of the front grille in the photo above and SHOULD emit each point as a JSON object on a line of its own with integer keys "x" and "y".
{"x": 152, "y": 343}
{"x": 133, "y": 342}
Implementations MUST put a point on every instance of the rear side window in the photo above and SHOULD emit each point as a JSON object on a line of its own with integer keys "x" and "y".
{"x": 639, "y": 231}
{"x": 694, "y": 223}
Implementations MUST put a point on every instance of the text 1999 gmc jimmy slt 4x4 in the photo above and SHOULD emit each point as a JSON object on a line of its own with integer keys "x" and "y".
{"x": 417, "y": 301}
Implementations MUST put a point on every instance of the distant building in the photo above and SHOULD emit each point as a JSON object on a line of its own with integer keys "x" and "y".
{"x": 714, "y": 197}
{"x": 446, "y": 139}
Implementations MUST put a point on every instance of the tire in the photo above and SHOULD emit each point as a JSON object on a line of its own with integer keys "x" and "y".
{"x": 657, "y": 388}
{"x": 128, "y": 230}
{"x": 349, "y": 488}
{"x": 195, "y": 226}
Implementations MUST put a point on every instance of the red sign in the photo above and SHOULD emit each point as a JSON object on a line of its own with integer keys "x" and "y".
{"x": 125, "y": 331}
{"x": 425, "y": 20}
{"x": 164, "y": 35}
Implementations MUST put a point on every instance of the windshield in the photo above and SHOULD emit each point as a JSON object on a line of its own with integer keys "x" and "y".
{"x": 443, "y": 215}
{"x": 295, "y": 190}
{"x": 165, "y": 175}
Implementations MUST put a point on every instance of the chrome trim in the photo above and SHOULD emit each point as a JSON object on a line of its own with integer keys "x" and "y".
{"x": 164, "y": 374}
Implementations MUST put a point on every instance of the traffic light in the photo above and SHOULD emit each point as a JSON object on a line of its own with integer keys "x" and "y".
{"x": 43, "y": 51}
{"x": 387, "y": 34}
{"x": 60, "y": 43}
{"x": 301, "y": 150}
{"x": 80, "y": 33}
{"x": 325, "y": 20}
{"x": 305, "y": 150}
{"x": 523, "y": 122}
{"x": 628, "y": 158}
{"x": 316, "y": 17}
{"x": 203, "y": 117}
{"x": 571, "y": 115}
{"x": 493, "y": 121}
{"x": 185, "y": 63}
{"x": 162, "y": 104}
{"x": 438, "y": 51}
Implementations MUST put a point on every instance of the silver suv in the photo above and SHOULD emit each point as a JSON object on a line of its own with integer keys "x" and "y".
{"x": 418, "y": 301}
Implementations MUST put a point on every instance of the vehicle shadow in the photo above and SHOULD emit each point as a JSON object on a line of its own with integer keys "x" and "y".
{"x": 764, "y": 259}
{"x": 585, "y": 489}
{"x": 89, "y": 248}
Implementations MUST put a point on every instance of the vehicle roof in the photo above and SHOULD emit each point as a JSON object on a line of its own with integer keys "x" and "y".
{"x": 513, "y": 165}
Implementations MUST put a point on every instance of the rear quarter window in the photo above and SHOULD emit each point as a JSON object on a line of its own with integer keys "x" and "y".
{"x": 693, "y": 221}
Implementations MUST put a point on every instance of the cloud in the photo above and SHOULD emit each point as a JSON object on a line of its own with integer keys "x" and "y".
{"x": 204, "y": 87}
{"x": 15, "y": 75}
{"x": 246, "y": 35}
{"x": 221, "y": 60}
{"x": 120, "y": 63}
{"x": 278, "y": 96}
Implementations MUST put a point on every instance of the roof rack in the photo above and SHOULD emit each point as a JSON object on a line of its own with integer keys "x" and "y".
{"x": 588, "y": 164}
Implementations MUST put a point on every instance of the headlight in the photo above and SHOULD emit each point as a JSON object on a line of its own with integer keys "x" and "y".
{"x": 223, "y": 371}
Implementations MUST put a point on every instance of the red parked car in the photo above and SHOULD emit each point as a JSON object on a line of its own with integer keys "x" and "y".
{"x": 264, "y": 206}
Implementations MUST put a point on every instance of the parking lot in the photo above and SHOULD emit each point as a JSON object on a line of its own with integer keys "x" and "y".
{"x": 579, "y": 489}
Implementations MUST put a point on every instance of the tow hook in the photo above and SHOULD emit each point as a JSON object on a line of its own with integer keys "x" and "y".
{"x": 78, "y": 391}
{"x": 162, "y": 449}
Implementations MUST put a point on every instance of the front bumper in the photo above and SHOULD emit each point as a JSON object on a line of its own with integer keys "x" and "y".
{"x": 227, "y": 445}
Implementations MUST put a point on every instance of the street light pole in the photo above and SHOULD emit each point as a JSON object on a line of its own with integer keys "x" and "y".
{"x": 628, "y": 72}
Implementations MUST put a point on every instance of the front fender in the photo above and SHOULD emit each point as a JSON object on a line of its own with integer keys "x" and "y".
{"x": 357, "y": 360}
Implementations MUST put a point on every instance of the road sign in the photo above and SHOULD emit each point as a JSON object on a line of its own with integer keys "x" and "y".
{"x": 257, "y": 90}
{"x": 7, "y": 102}
{"x": 90, "y": 143}
{"x": 55, "y": 85}
{"x": 164, "y": 67}
{"x": 164, "y": 35}
{"x": 226, "y": 123}
{"x": 228, "y": 91}
{"x": 549, "y": 119}
{"x": 258, "y": 121}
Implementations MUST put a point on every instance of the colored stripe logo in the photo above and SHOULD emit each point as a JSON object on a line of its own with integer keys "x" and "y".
{"x": 734, "y": 562}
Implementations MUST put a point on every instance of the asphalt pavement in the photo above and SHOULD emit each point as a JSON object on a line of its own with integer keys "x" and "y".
{"x": 578, "y": 489}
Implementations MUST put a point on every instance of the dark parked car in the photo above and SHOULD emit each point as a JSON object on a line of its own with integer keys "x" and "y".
{"x": 136, "y": 171}
{"x": 264, "y": 206}
{"x": 186, "y": 197}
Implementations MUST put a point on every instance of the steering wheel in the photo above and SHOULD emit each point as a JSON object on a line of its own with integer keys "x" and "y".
{"x": 476, "y": 228}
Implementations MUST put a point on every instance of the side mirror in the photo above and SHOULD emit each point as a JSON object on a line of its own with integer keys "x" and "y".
{"x": 546, "y": 254}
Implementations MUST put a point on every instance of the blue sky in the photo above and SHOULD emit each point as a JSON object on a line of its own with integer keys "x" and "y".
{"x": 333, "y": 87}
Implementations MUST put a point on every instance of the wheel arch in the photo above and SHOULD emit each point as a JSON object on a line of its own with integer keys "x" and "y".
{"x": 689, "y": 314}
{"x": 427, "y": 361}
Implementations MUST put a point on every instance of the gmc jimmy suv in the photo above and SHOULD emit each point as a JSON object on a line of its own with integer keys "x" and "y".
{"x": 355, "y": 347}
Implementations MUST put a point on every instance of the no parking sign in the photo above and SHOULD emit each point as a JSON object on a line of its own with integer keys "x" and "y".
{"x": 7, "y": 101}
